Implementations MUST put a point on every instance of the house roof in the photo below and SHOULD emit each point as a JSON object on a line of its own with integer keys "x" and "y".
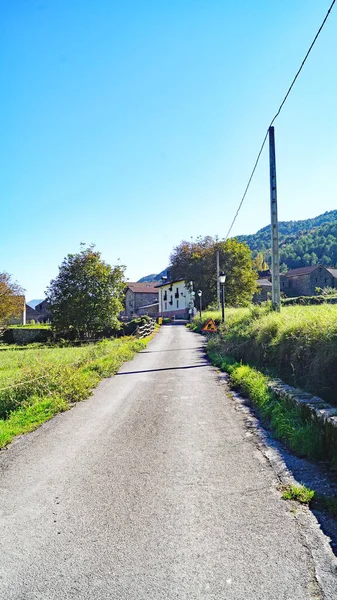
{"x": 148, "y": 305}
{"x": 144, "y": 287}
{"x": 170, "y": 282}
{"x": 333, "y": 272}
{"x": 264, "y": 282}
{"x": 302, "y": 271}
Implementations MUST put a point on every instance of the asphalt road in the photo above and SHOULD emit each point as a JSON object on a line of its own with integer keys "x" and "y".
{"x": 154, "y": 488}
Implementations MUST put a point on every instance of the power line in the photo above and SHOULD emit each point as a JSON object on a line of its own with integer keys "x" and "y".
{"x": 276, "y": 115}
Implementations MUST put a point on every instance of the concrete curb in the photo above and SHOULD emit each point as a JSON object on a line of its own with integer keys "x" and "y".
{"x": 320, "y": 412}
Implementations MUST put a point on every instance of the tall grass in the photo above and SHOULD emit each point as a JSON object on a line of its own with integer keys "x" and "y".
{"x": 287, "y": 422}
{"x": 35, "y": 384}
{"x": 299, "y": 344}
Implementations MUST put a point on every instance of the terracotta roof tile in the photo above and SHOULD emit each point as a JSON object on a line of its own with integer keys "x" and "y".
{"x": 144, "y": 287}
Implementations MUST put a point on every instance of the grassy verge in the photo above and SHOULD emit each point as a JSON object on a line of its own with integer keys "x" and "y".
{"x": 286, "y": 422}
{"x": 299, "y": 345}
{"x": 38, "y": 383}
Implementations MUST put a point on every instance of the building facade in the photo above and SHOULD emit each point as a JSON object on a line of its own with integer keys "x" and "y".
{"x": 140, "y": 295}
{"x": 308, "y": 281}
{"x": 43, "y": 313}
{"x": 264, "y": 291}
{"x": 175, "y": 299}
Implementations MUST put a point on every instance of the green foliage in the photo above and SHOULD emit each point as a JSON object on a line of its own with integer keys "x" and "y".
{"x": 302, "y": 243}
{"x": 12, "y": 300}
{"x": 129, "y": 328}
{"x": 51, "y": 379}
{"x": 42, "y": 333}
{"x": 300, "y": 493}
{"x": 299, "y": 344}
{"x": 310, "y": 300}
{"x": 259, "y": 263}
{"x": 65, "y": 372}
{"x": 196, "y": 261}
{"x": 30, "y": 416}
{"x": 86, "y": 296}
{"x": 287, "y": 422}
{"x": 326, "y": 503}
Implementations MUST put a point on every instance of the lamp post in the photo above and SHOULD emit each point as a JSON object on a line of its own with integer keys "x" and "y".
{"x": 222, "y": 279}
{"x": 200, "y": 294}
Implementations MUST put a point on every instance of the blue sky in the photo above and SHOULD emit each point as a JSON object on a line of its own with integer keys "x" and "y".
{"x": 135, "y": 125}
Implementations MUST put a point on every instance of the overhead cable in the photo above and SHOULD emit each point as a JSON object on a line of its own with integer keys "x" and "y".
{"x": 276, "y": 115}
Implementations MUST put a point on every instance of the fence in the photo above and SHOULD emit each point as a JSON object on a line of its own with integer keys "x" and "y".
{"x": 145, "y": 330}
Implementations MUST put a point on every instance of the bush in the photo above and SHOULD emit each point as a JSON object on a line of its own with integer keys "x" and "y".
{"x": 130, "y": 327}
{"x": 309, "y": 300}
{"x": 299, "y": 344}
{"x": 287, "y": 422}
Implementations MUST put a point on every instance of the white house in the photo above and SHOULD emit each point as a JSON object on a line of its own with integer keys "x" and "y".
{"x": 175, "y": 299}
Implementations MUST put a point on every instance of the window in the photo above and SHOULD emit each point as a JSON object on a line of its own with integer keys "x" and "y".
{"x": 176, "y": 295}
{"x": 165, "y": 305}
{"x": 177, "y": 303}
{"x": 165, "y": 295}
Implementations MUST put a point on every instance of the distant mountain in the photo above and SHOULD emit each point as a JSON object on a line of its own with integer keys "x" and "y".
{"x": 302, "y": 243}
{"x": 153, "y": 276}
{"x": 33, "y": 303}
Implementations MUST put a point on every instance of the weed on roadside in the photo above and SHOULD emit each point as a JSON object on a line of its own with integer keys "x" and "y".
{"x": 300, "y": 493}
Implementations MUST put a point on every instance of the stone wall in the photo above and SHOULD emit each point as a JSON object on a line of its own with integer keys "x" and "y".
{"x": 22, "y": 335}
{"x": 314, "y": 409}
{"x": 133, "y": 300}
{"x": 306, "y": 284}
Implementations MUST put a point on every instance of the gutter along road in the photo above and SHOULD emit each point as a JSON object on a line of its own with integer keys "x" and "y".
{"x": 154, "y": 488}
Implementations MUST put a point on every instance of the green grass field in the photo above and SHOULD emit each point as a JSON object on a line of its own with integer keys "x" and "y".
{"x": 299, "y": 344}
{"x": 36, "y": 383}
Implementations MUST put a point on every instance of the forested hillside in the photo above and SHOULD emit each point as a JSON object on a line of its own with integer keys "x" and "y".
{"x": 302, "y": 243}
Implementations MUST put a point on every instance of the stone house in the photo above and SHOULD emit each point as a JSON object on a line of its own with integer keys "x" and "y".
{"x": 305, "y": 280}
{"x": 264, "y": 290}
{"x": 43, "y": 314}
{"x": 175, "y": 299}
{"x": 31, "y": 314}
{"x": 140, "y": 295}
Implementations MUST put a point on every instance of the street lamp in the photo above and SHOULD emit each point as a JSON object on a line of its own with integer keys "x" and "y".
{"x": 222, "y": 279}
{"x": 200, "y": 294}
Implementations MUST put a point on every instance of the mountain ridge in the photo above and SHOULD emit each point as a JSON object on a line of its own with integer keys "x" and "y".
{"x": 302, "y": 243}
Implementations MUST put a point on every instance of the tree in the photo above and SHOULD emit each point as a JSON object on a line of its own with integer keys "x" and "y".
{"x": 12, "y": 300}
{"x": 196, "y": 261}
{"x": 86, "y": 296}
{"x": 259, "y": 263}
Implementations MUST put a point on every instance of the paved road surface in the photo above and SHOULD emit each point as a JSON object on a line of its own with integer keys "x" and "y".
{"x": 154, "y": 488}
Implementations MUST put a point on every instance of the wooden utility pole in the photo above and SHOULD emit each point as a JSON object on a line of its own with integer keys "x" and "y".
{"x": 217, "y": 279}
{"x": 276, "y": 299}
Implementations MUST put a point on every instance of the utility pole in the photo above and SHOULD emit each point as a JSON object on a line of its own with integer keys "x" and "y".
{"x": 276, "y": 300}
{"x": 217, "y": 279}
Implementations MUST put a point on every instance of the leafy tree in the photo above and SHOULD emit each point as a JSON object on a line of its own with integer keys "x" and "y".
{"x": 259, "y": 263}
{"x": 12, "y": 299}
{"x": 302, "y": 243}
{"x": 196, "y": 261}
{"x": 86, "y": 296}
